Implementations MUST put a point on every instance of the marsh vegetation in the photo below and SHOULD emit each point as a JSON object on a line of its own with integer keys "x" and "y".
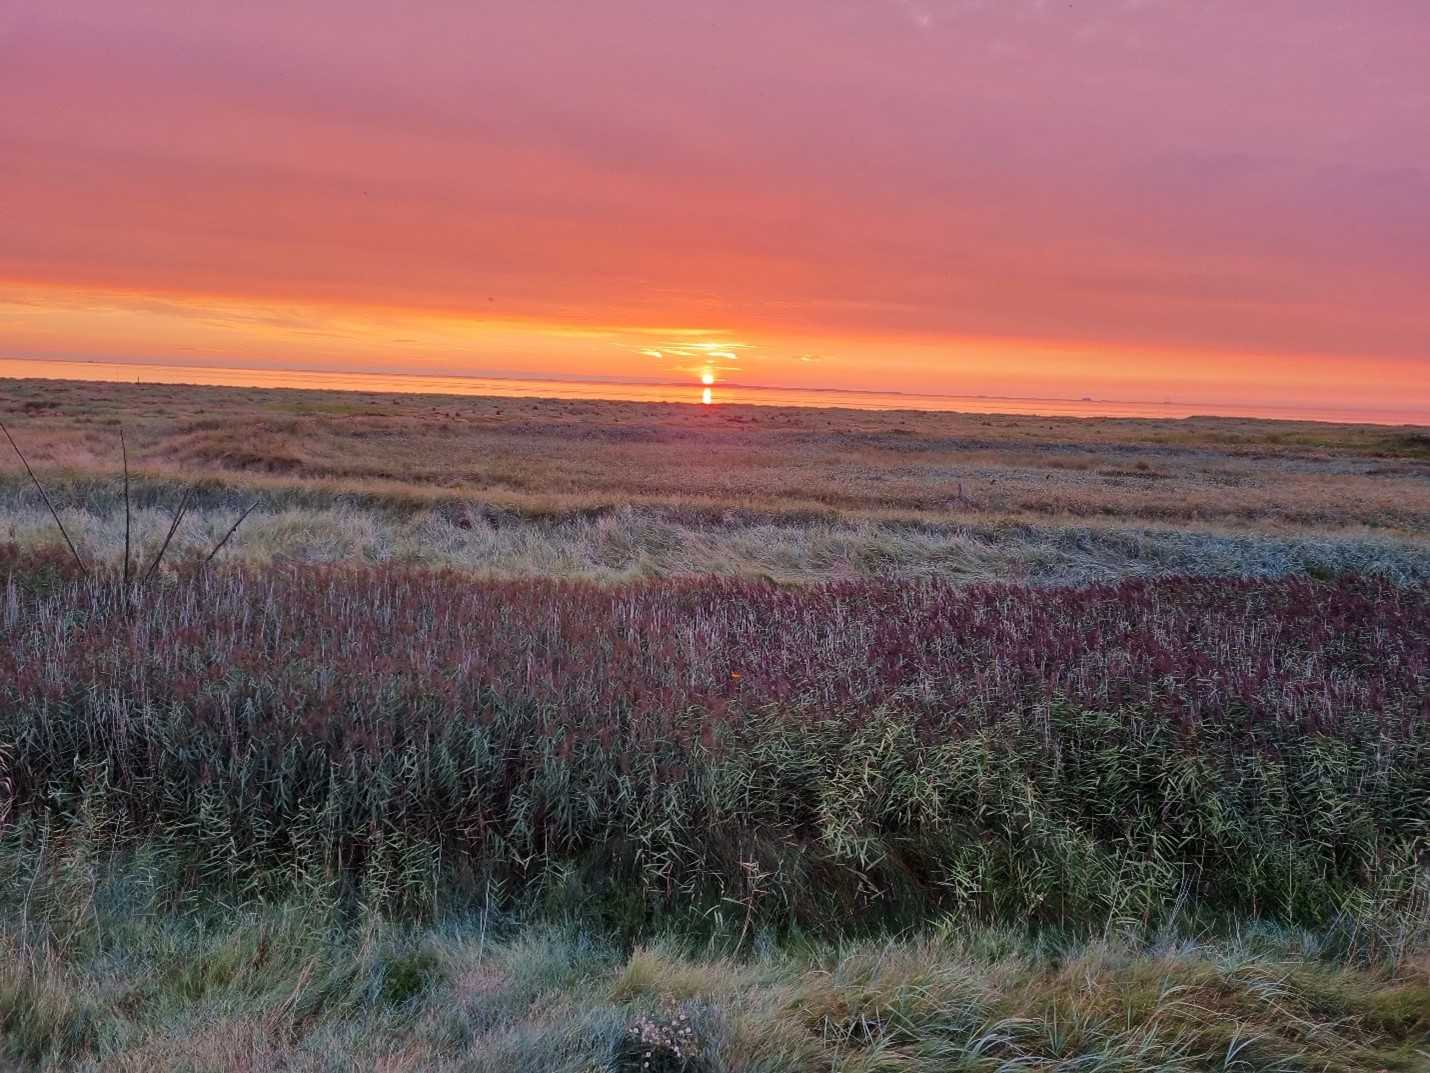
{"x": 752, "y": 740}
{"x": 510, "y": 488}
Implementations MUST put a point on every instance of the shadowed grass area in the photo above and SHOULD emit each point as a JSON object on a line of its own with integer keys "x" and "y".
{"x": 131, "y": 984}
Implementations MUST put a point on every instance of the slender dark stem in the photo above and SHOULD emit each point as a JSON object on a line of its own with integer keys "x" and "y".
{"x": 46, "y": 497}
{"x": 231, "y": 530}
{"x": 173, "y": 528}
{"x": 124, "y": 450}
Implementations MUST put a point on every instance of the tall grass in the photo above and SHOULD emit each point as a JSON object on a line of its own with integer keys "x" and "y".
{"x": 736, "y": 755}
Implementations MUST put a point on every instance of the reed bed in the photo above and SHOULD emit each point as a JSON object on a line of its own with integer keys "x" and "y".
{"x": 738, "y": 755}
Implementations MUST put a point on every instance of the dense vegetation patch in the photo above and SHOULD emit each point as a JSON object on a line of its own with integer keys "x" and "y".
{"x": 743, "y": 755}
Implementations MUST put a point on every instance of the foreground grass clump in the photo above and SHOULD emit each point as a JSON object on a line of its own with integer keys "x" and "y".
{"x": 97, "y": 973}
{"x": 733, "y": 755}
{"x": 101, "y": 970}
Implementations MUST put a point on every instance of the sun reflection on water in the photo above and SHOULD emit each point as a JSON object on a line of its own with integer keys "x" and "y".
{"x": 705, "y": 397}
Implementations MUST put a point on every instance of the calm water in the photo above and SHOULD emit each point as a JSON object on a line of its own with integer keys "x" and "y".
{"x": 692, "y": 393}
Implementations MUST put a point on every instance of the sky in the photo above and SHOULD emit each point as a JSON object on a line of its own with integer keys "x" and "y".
{"x": 1217, "y": 201}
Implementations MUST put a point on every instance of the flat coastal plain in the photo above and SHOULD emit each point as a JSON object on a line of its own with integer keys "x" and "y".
{"x": 506, "y": 487}
{"x": 536, "y": 736}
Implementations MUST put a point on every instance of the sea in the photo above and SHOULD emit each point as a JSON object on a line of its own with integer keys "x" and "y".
{"x": 694, "y": 393}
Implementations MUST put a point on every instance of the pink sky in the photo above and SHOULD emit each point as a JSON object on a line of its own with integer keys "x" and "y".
{"x": 1132, "y": 198}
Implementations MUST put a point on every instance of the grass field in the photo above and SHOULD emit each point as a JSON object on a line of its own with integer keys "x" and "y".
{"x": 291, "y": 988}
{"x": 621, "y": 491}
{"x": 554, "y": 736}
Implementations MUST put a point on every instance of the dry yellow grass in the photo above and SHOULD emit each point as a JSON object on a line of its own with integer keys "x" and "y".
{"x": 517, "y": 487}
{"x": 551, "y": 456}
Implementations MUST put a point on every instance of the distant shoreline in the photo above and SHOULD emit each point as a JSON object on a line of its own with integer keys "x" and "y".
{"x": 616, "y": 390}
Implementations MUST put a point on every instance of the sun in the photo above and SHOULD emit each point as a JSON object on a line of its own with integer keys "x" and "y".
{"x": 707, "y": 379}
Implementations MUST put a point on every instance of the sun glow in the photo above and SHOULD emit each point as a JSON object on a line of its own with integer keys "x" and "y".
{"x": 93, "y": 328}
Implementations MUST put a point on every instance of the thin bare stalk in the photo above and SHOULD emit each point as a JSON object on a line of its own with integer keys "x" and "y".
{"x": 173, "y": 528}
{"x": 124, "y": 450}
{"x": 231, "y": 530}
{"x": 46, "y": 497}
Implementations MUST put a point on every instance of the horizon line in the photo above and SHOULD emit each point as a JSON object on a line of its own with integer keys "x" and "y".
{"x": 696, "y": 386}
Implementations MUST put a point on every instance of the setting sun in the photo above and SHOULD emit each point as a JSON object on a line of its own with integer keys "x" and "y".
{"x": 707, "y": 379}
